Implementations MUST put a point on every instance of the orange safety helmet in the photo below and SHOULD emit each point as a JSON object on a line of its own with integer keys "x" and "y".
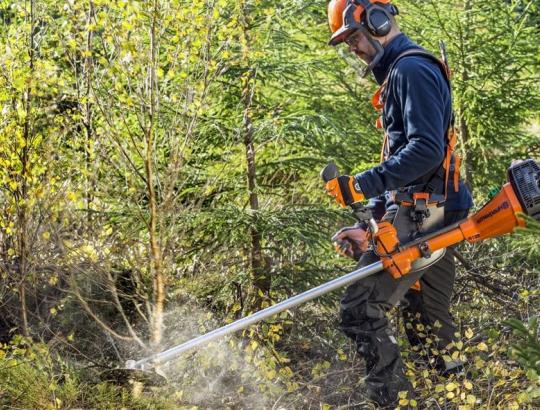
{"x": 341, "y": 29}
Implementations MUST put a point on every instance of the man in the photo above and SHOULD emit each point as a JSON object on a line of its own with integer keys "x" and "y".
{"x": 417, "y": 163}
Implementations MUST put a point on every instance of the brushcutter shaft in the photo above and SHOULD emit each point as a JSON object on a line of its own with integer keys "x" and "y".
{"x": 498, "y": 217}
{"x": 173, "y": 352}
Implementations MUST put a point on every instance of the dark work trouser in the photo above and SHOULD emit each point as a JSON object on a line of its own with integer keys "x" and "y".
{"x": 363, "y": 317}
{"x": 430, "y": 306}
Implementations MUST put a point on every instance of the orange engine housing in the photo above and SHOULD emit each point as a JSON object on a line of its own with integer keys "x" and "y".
{"x": 496, "y": 218}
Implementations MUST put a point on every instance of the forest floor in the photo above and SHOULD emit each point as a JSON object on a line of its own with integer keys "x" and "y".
{"x": 300, "y": 360}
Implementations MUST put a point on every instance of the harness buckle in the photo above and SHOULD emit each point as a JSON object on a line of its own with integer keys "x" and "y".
{"x": 420, "y": 209}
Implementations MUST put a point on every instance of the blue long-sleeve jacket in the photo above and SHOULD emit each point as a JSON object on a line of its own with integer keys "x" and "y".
{"x": 416, "y": 116}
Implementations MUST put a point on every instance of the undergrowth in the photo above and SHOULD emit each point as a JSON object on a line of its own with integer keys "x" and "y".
{"x": 301, "y": 360}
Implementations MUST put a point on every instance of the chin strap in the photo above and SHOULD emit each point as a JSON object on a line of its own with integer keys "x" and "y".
{"x": 379, "y": 51}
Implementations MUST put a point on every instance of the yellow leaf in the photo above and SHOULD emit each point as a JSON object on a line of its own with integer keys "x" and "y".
{"x": 325, "y": 406}
{"x": 254, "y": 344}
{"x": 469, "y": 333}
{"x": 482, "y": 347}
{"x": 450, "y": 395}
{"x": 451, "y": 386}
{"x": 403, "y": 394}
{"x": 479, "y": 363}
{"x": 471, "y": 399}
{"x": 45, "y": 235}
{"x": 468, "y": 385}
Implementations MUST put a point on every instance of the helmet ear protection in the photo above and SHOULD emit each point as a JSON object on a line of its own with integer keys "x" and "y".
{"x": 376, "y": 18}
{"x": 371, "y": 19}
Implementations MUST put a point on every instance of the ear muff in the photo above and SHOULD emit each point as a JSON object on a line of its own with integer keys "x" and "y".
{"x": 377, "y": 19}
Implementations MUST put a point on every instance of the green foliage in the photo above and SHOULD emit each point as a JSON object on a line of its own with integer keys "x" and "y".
{"x": 527, "y": 348}
{"x": 530, "y": 235}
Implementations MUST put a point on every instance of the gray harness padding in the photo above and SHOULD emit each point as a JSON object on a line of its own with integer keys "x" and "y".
{"x": 409, "y": 230}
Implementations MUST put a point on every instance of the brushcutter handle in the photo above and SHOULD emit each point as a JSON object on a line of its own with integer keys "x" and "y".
{"x": 329, "y": 172}
{"x": 360, "y": 212}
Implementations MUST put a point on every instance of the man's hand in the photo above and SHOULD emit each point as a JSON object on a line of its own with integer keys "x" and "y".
{"x": 351, "y": 242}
{"x": 345, "y": 189}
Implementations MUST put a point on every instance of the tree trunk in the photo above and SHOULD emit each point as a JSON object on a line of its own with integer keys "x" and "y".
{"x": 260, "y": 277}
{"x": 88, "y": 72}
{"x": 156, "y": 264}
{"x": 464, "y": 131}
{"x": 22, "y": 196}
{"x": 260, "y": 280}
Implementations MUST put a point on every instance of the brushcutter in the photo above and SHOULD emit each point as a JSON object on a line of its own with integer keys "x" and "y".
{"x": 501, "y": 215}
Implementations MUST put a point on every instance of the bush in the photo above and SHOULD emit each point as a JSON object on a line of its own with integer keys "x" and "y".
{"x": 32, "y": 378}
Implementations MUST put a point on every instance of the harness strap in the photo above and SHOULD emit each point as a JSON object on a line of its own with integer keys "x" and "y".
{"x": 457, "y": 164}
{"x": 378, "y": 101}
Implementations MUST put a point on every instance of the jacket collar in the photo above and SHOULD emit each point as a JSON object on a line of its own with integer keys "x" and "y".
{"x": 392, "y": 50}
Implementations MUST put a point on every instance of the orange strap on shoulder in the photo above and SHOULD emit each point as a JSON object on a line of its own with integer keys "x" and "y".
{"x": 378, "y": 104}
{"x": 376, "y": 100}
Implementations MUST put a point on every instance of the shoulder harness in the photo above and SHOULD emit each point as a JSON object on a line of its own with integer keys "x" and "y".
{"x": 379, "y": 100}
